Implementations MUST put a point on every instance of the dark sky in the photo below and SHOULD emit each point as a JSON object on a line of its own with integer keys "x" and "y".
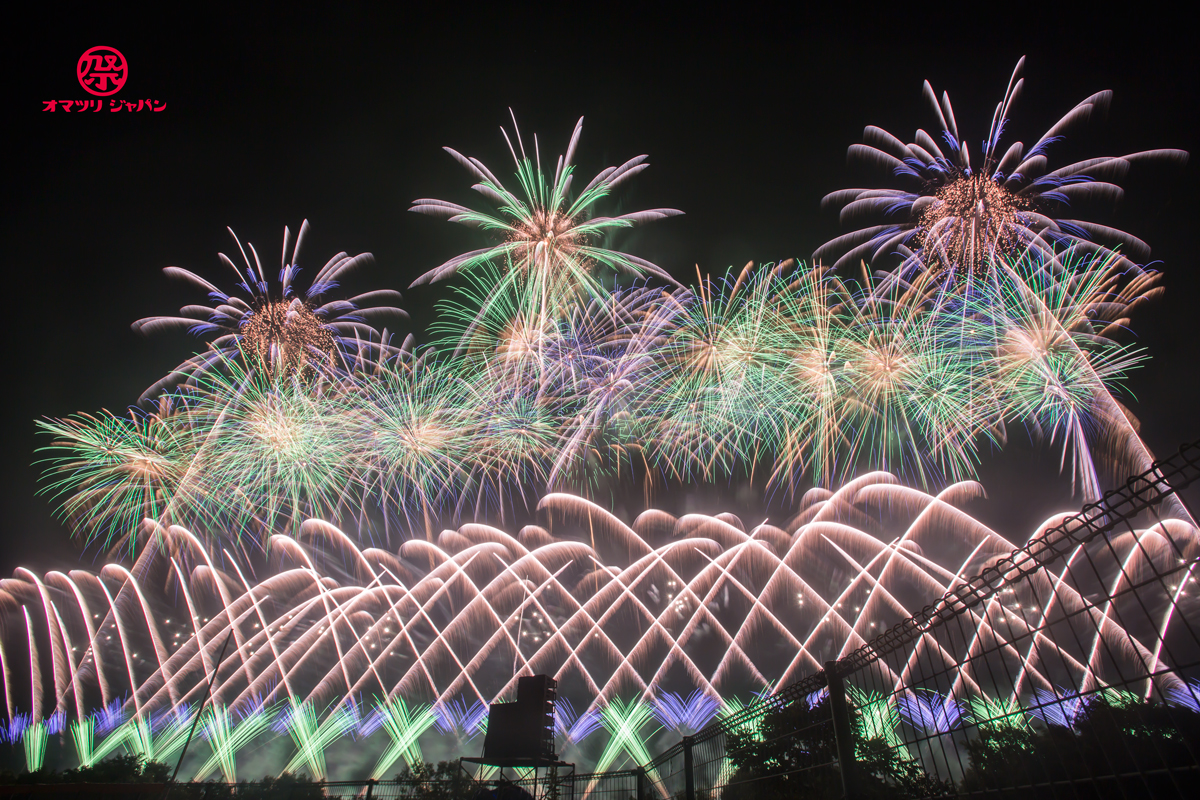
{"x": 274, "y": 116}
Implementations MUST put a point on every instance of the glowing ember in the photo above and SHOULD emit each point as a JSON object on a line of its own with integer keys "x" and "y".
{"x": 287, "y": 337}
{"x": 546, "y": 237}
{"x": 972, "y": 221}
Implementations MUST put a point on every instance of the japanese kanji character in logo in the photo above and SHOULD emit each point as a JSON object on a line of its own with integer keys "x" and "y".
{"x": 102, "y": 70}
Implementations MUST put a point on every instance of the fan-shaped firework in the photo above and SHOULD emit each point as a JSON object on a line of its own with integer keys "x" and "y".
{"x": 549, "y": 237}
{"x": 661, "y": 606}
{"x": 573, "y": 728}
{"x": 227, "y": 733}
{"x": 957, "y": 218}
{"x": 625, "y": 723}
{"x": 404, "y": 727}
{"x": 930, "y": 712}
{"x": 685, "y": 716}
{"x": 280, "y": 329}
{"x": 877, "y": 715}
{"x": 312, "y": 735}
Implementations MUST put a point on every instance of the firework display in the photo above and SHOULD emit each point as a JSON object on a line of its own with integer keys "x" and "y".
{"x": 789, "y": 373}
{"x": 957, "y": 218}
{"x": 629, "y": 619}
{"x": 330, "y": 538}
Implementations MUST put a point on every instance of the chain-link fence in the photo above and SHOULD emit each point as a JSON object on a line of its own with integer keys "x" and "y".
{"x": 1069, "y": 668}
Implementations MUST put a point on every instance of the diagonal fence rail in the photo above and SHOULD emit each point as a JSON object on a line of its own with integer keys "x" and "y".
{"x": 947, "y": 703}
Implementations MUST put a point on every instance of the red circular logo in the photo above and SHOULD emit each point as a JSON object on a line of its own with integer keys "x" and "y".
{"x": 102, "y": 70}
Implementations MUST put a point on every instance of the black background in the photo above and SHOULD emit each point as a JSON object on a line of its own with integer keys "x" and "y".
{"x": 274, "y": 115}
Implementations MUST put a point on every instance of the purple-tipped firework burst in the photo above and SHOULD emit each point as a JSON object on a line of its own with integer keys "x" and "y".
{"x": 957, "y": 218}
{"x": 281, "y": 329}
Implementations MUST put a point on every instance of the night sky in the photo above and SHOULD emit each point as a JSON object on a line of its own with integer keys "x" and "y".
{"x": 275, "y": 116}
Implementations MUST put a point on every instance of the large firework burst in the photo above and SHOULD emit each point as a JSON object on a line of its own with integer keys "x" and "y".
{"x": 413, "y": 435}
{"x": 1056, "y": 360}
{"x": 958, "y": 217}
{"x": 815, "y": 376}
{"x": 112, "y": 472}
{"x": 548, "y": 236}
{"x": 917, "y": 383}
{"x": 281, "y": 329}
{"x": 274, "y": 451}
{"x": 590, "y": 361}
{"x": 719, "y": 393}
{"x": 244, "y": 452}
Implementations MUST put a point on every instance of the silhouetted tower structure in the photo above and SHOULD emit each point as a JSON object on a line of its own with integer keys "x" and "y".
{"x": 521, "y": 734}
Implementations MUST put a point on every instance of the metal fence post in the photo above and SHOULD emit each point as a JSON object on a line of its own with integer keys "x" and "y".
{"x": 841, "y": 729}
{"x": 370, "y": 788}
{"x": 689, "y": 777}
{"x": 640, "y": 775}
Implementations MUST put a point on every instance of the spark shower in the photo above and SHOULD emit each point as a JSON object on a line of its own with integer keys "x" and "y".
{"x": 338, "y": 508}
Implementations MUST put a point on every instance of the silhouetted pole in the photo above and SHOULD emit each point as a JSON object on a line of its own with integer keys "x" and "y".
{"x": 199, "y": 711}
{"x": 689, "y": 779}
{"x": 841, "y": 729}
